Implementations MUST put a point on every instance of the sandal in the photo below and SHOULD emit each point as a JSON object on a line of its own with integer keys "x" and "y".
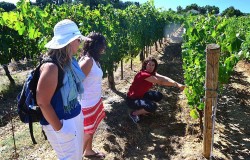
{"x": 96, "y": 155}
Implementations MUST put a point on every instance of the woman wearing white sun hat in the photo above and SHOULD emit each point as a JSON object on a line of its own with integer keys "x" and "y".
{"x": 62, "y": 120}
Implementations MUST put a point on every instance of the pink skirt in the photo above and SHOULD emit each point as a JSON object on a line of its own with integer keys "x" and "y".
{"x": 92, "y": 117}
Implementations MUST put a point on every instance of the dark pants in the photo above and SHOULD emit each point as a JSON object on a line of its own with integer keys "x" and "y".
{"x": 147, "y": 102}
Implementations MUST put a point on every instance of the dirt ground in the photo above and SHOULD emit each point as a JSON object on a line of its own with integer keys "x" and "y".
{"x": 169, "y": 133}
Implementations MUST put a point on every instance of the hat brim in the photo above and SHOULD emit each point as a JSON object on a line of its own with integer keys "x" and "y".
{"x": 57, "y": 43}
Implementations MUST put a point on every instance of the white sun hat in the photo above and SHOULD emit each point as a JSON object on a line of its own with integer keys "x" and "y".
{"x": 65, "y": 32}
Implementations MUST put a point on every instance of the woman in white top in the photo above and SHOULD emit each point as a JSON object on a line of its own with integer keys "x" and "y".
{"x": 91, "y": 103}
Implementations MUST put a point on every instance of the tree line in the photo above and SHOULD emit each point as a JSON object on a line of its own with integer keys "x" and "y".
{"x": 203, "y": 10}
{"x": 229, "y": 12}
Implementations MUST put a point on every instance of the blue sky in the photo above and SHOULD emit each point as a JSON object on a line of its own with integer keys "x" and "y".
{"x": 14, "y": 1}
{"x": 242, "y": 5}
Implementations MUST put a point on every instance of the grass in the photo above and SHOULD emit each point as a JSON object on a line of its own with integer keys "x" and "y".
{"x": 8, "y": 89}
{"x": 23, "y": 143}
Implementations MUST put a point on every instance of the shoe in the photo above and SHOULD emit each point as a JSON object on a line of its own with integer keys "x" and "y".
{"x": 135, "y": 118}
{"x": 98, "y": 155}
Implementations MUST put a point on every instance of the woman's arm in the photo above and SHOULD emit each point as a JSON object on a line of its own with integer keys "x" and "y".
{"x": 163, "y": 80}
{"x": 86, "y": 64}
{"x": 45, "y": 90}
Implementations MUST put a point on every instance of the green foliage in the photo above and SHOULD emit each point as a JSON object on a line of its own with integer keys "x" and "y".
{"x": 233, "y": 37}
{"x": 194, "y": 114}
{"x": 127, "y": 31}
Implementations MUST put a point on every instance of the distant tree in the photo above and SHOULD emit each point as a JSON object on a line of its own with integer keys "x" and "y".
{"x": 42, "y": 3}
{"x": 59, "y": 2}
{"x": 192, "y": 7}
{"x": 128, "y": 3}
{"x": 216, "y": 10}
{"x": 202, "y": 10}
{"x": 94, "y": 3}
{"x": 116, "y": 3}
{"x": 231, "y": 11}
{"x": 179, "y": 9}
{"x": 7, "y": 6}
{"x": 212, "y": 9}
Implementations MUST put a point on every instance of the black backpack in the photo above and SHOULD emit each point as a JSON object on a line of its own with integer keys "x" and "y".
{"x": 27, "y": 107}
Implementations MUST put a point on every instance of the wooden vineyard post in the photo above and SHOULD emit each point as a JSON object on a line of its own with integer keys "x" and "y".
{"x": 212, "y": 68}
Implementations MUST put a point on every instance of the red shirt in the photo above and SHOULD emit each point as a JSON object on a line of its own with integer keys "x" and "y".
{"x": 139, "y": 86}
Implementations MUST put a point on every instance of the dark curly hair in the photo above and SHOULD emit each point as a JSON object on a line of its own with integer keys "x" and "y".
{"x": 95, "y": 46}
{"x": 145, "y": 62}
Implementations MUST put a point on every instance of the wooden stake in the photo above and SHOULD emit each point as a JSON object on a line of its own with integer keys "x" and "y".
{"x": 212, "y": 67}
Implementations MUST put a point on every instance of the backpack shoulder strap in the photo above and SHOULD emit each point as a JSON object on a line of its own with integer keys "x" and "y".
{"x": 60, "y": 70}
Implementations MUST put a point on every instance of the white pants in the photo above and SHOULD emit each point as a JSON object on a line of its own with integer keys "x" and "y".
{"x": 68, "y": 142}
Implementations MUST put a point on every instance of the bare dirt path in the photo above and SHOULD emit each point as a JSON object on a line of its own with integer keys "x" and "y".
{"x": 157, "y": 136}
{"x": 233, "y": 129}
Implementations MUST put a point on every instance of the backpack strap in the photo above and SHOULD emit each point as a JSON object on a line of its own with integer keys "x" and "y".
{"x": 31, "y": 132}
{"x": 60, "y": 71}
{"x": 34, "y": 81}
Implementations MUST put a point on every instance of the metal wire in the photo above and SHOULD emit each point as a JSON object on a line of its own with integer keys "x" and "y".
{"x": 213, "y": 116}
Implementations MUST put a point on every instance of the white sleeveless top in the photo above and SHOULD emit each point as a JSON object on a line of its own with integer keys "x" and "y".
{"x": 92, "y": 87}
